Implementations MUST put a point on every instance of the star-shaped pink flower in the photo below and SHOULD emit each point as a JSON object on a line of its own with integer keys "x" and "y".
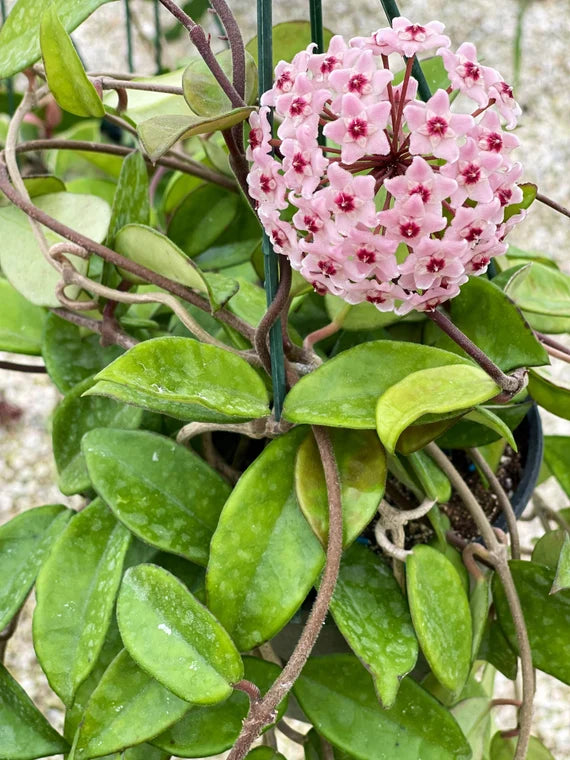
{"x": 434, "y": 129}
{"x": 359, "y": 129}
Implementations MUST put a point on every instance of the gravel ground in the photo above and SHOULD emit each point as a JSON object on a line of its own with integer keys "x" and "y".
{"x": 27, "y": 473}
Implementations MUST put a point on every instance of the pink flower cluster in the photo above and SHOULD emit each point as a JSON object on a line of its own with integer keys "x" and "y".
{"x": 400, "y": 200}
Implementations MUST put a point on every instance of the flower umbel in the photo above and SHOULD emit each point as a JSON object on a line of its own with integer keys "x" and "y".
{"x": 406, "y": 199}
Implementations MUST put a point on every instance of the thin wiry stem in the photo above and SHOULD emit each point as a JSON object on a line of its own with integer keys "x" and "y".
{"x": 35, "y": 369}
{"x": 553, "y": 204}
{"x": 120, "y": 338}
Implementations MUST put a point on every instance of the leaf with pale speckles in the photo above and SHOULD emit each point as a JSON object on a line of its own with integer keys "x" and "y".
{"x": 131, "y": 204}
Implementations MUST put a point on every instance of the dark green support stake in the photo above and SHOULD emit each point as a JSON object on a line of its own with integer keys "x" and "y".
{"x": 129, "y": 30}
{"x": 9, "y": 84}
{"x": 316, "y": 14}
{"x": 392, "y": 11}
{"x": 270, "y": 263}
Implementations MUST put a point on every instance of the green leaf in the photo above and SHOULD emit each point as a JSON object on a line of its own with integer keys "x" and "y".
{"x": 143, "y": 104}
{"x": 164, "y": 493}
{"x": 372, "y": 615}
{"x": 24, "y": 543}
{"x": 76, "y": 415}
{"x": 20, "y": 257}
{"x": 504, "y": 749}
{"x": 557, "y": 457}
{"x": 514, "y": 345}
{"x": 131, "y": 204}
{"x": 361, "y": 464}
{"x": 434, "y": 72}
{"x": 553, "y": 396}
{"x": 484, "y": 416}
{"x": 264, "y": 557}
{"x": 19, "y": 38}
{"x": 70, "y": 356}
{"x": 338, "y": 697}
{"x": 39, "y": 185}
{"x": 288, "y": 38}
{"x": 156, "y": 613}
{"x": 66, "y": 77}
{"x": 479, "y": 602}
{"x": 187, "y": 380}
{"x": 548, "y": 547}
{"x": 540, "y": 289}
{"x": 362, "y": 316}
{"x": 314, "y": 749}
{"x": 477, "y": 428}
{"x": 433, "y": 480}
{"x": 474, "y": 717}
{"x": 202, "y": 217}
{"x": 562, "y": 577}
{"x": 441, "y": 615}
{"x": 264, "y": 753}
{"x": 159, "y": 133}
{"x": 203, "y": 92}
{"x": 126, "y": 708}
{"x": 21, "y": 323}
{"x": 496, "y": 650}
{"x": 547, "y": 616}
{"x": 438, "y": 390}
{"x": 529, "y": 192}
{"x": 24, "y": 732}
{"x": 206, "y": 731}
{"x": 343, "y": 392}
{"x": 75, "y": 592}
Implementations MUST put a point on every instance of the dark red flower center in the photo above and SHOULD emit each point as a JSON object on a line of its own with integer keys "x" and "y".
{"x": 505, "y": 195}
{"x": 494, "y": 142}
{"x": 409, "y": 229}
{"x": 299, "y": 162}
{"x": 421, "y": 190}
{"x": 435, "y": 264}
{"x": 471, "y": 71}
{"x": 377, "y": 298}
{"x": 327, "y": 268}
{"x": 319, "y": 288}
{"x": 298, "y": 106}
{"x": 480, "y": 263}
{"x": 254, "y": 138}
{"x": 329, "y": 64}
{"x": 311, "y": 223}
{"x": 357, "y": 128}
{"x": 357, "y": 83}
{"x": 266, "y": 183}
{"x": 284, "y": 80}
{"x": 437, "y": 126}
{"x": 471, "y": 174}
{"x": 366, "y": 256}
{"x": 345, "y": 202}
{"x": 416, "y": 32}
{"x": 473, "y": 234}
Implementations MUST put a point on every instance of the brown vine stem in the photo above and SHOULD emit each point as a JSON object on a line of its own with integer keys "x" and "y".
{"x": 120, "y": 261}
{"x": 512, "y": 384}
{"x": 549, "y": 341}
{"x": 262, "y": 713}
{"x": 120, "y": 338}
{"x": 499, "y": 558}
{"x": 504, "y": 501}
{"x": 553, "y": 204}
{"x": 562, "y": 355}
{"x": 272, "y": 314}
{"x": 15, "y": 367}
{"x": 187, "y": 166}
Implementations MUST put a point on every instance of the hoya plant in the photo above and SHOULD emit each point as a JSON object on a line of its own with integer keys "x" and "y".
{"x": 299, "y": 367}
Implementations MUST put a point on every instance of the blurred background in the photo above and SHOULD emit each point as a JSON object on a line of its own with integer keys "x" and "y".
{"x": 526, "y": 40}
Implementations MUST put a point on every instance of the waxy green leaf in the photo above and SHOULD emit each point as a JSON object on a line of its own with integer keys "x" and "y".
{"x": 21, "y": 323}
{"x": 159, "y": 133}
{"x": 164, "y": 493}
{"x": 264, "y": 557}
{"x": 479, "y": 602}
{"x": 547, "y": 616}
{"x": 131, "y": 203}
{"x": 24, "y": 543}
{"x": 553, "y": 396}
{"x": 21, "y": 259}
{"x": 70, "y": 356}
{"x": 438, "y": 390}
{"x": 76, "y": 591}
{"x": 206, "y": 731}
{"x": 540, "y": 289}
{"x": 344, "y": 391}
{"x": 484, "y": 425}
{"x": 505, "y": 749}
{"x": 24, "y": 732}
{"x": 19, "y": 38}
{"x": 187, "y": 380}
{"x": 74, "y": 417}
{"x": 433, "y": 480}
{"x": 143, "y": 104}
{"x": 156, "y": 613}
{"x": 338, "y": 696}
{"x": 474, "y": 718}
{"x": 562, "y": 577}
{"x": 362, "y": 316}
{"x": 66, "y": 77}
{"x": 372, "y": 615}
{"x": 529, "y": 192}
{"x": 495, "y": 649}
{"x": 557, "y": 457}
{"x": 126, "y": 708}
{"x": 361, "y": 464}
{"x": 288, "y": 38}
{"x": 548, "y": 547}
{"x": 264, "y": 753}
{"x": 203, "y": 92}
{"x": 441, "y": 615}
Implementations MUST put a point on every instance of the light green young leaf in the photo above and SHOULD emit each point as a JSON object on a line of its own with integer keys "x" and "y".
{"x": 21, "y": 323}
{"x": 433, "y": 480}
{"x": 553, "y": 395}
{"x": 557, "y": 457}
{"x": 203, "y": 92}
{"x": 131, "y": 203}
{"x": 65, "y": 74}
{"x": 562, "y": 577}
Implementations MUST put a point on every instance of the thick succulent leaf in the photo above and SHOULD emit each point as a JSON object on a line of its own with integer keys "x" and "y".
{"x": 156, "y": 613}
{"x": 540, "y": 289}
{"x": 562, "y": 577}
{"x": 24, "y": 732}
{"x": 553, "y": 396}
{"x": 126, "y": 708}
{"x": 24, "y": 543}
{"x": 209, "y": 730}
{"x": 22, "y": 261}
{"x": 338, "y": 696}
{"x": 474, "y": 718}
{"x": 314, "y": 748}
{"x": 514, "y": 345}
{"x": 75, "y": 592}
{"x": 529, "y": 192}
{"x": 288, "y": 38}
{"x": 165, "y": 494}
{"x": 547, "y": 616}
{"x": 484, "y": 425}
{"x": 362, "y": 316}
{"x": 441, "y": 615}
{"x": 19, "y": 38}
{"x": 264, "y": 753}
{"x": 74, "y": 417}
{"x": 484, "y": 416}
{"x": 264, "y": 557}
{"x": 479, "y": 602}
{"x": 187, "y": 380}
{"x": 495, "y": 649}
{"x": 548, "y": 547}
{"x": 70, "y": 356}
{"x": 131, "y": 203}
{"x": 203, "y": 92}
{"x": 433, "y": 480}
{"x": 159, "y": 133}
{"x": 66, "y": 77}
{"x": 504, "y": 749}
{"x": 372, "y": 615}
{"x": 143, "y": 104}
{"x": 361, "y": 463}
{"x": 344, "y": 391}
{"x": 438, "y": 390}
{"x": 21, "y": 323}
{"x": 557, "y": 457}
